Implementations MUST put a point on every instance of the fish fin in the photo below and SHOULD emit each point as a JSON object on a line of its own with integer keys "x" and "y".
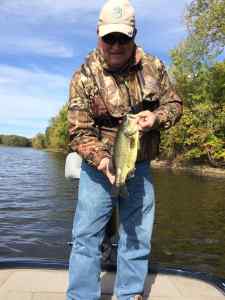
{"x": 131, "y": 173}
{"x": 132, "y": 142}
{"x": 138, "y": 144}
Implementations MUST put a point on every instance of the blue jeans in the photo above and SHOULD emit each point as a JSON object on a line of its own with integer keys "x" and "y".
{"x": 93, "y": 211}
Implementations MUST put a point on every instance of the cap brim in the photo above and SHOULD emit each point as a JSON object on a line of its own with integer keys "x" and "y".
{"x": 109, "y": 28}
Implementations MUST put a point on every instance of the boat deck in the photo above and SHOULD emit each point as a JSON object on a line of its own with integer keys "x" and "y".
{"x": 46, "y": 284}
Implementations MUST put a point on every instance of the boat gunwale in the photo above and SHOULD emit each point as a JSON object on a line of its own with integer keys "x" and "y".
{"x": 59, "y": 264}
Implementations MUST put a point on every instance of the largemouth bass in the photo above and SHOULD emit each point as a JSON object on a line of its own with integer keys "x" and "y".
{"x": 125, "y": 153}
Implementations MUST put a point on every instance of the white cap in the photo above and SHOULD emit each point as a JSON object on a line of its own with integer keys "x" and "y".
{"x": 117, "y": 16}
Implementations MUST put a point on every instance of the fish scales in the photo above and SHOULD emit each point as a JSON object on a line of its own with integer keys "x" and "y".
{"x": 125, "y": 151}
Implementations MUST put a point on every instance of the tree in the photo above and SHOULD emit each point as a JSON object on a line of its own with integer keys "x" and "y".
{"x": 38, "y": 141}
{"x": 15, "y": 140}
{"x": 205, "y": 21}
{"x": 200, "y": 81}
{"x": 57, "y": 132}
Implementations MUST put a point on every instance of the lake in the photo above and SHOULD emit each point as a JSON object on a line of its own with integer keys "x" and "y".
{"x": 37, "y": 205}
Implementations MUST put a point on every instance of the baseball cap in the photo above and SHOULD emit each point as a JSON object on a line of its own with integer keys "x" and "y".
{"x": 117, "y": 16}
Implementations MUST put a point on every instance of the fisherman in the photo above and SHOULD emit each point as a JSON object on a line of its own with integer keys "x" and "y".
{"x": 116, "y": 79}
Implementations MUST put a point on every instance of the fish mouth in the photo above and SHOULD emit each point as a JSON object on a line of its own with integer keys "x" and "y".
{"x": 131, "y": 116}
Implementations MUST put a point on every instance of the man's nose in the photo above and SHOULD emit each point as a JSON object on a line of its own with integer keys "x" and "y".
{"x": 116, "y": 45}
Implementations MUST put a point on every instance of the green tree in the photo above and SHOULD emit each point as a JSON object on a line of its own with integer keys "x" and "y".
{"x": 205, "y": 21}
{"x": 38, "y": 141}
{"x": 200, "y": 81}
{"x": 15, "y": 140}
{"x": 57, "y": 133}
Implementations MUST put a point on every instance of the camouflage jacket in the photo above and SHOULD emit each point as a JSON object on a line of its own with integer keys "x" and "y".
{"x": 99, "y": 99}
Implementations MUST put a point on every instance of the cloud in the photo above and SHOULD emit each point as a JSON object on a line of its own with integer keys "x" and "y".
{"x": 162, "y": 43}
{"x": 39, "y": 11}
{"x": 26, "y": 111}
{"x": 30, "y": 95}
{"x": 18, "y": 77}
{"x": 52, "y": 35}
{"x": 47, "y": 28}
{"x": 54, "y": 28}
{"x": 35, "y": 46}
{"x": 24, "y": 127}
{"x": 83, "y": 13}
{"x": 160, "y": 25}
{"x": 21, "y": 106}
{"x": 160, "y": 9}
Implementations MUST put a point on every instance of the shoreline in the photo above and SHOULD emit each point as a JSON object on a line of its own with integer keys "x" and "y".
{"x": 197, "y": 169}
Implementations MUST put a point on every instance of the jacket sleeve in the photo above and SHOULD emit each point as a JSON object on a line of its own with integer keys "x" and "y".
{"x": 84, "y": 135}
{"x": 170, "y": 108}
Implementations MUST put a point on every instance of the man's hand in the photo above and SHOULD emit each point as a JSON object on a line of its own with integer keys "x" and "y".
{"x": 106, "y": 166}
{"x": 146, "y": 120}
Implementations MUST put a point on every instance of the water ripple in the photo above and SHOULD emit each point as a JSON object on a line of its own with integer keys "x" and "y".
{"x": 37, "y": 206}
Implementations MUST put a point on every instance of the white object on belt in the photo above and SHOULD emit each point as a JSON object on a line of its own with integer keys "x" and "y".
{"x": 72, "y": 165}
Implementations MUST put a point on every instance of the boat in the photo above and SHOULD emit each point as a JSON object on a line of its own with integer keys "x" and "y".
{"x": 47, "y": 280}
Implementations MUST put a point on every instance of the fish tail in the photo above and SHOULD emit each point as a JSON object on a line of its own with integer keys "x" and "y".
{"x": 120, "y": 191}
{"x": 124, "y": 191}
{"x": 115, "y": 191}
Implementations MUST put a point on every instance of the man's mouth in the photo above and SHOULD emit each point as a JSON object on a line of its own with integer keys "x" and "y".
{"x": 116, "y": 53}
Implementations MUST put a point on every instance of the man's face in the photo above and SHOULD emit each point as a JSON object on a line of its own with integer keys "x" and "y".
{"x": 117, "y": 49}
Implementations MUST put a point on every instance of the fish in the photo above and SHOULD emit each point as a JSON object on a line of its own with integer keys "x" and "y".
{"x": 125, "y": 154}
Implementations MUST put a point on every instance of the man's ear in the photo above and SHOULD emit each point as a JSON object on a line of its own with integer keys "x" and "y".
{"x": 97, "y": 30}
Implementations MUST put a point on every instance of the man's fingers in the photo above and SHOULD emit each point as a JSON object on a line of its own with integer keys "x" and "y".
{"x": 106, "y": 167}
{"x": 143, "y": 113}
{"x": 146, "y": 120}
{"x": 112, "y": 179}
{"x": 103, "y": 164}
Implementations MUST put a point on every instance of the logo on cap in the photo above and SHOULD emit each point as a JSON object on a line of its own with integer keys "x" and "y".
{"x": 117, "y": 12}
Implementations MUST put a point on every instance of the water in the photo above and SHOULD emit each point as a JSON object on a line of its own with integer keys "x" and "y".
{"x": 37, "y": 206}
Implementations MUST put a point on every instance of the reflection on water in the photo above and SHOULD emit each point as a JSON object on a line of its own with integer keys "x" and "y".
{"x": 190, "y": 226}
{"x": 37, "y": 206}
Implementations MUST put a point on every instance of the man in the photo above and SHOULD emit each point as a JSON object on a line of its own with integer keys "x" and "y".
{"x": 117, "y": 78}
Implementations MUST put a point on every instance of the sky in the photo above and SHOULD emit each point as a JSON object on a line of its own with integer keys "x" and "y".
{"x": 43, "y": 42}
